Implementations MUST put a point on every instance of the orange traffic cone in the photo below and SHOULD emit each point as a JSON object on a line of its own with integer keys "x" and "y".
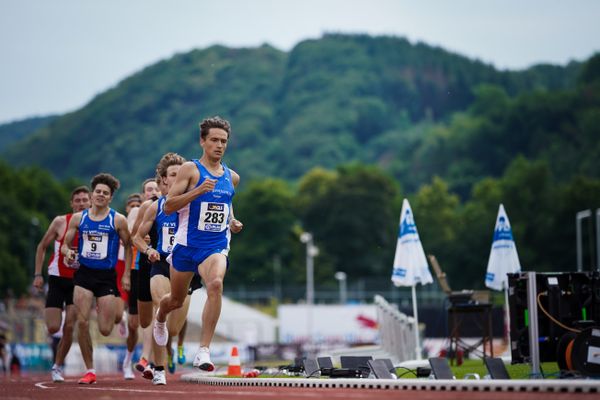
{"x": 234, "y": 368}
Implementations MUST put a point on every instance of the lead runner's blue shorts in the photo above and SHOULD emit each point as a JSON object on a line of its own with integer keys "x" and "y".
{"x": 187, "y": 259}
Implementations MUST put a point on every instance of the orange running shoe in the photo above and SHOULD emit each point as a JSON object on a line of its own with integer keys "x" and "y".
{"x": 88, "y": 379}
{"x": 141, "y": 364}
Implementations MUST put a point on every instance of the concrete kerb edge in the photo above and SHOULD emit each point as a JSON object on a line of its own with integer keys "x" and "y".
{"x": 515, "y": 386}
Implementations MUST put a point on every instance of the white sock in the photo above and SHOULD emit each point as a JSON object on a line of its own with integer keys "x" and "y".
{"x": 128, "y": 357}
{"x": 156, "y": 316}
{"x": 92, "y": 370}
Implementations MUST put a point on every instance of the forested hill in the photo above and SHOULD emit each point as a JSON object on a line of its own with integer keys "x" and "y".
{"x": 328, "y": 101}
{"x": 18, "y": 130}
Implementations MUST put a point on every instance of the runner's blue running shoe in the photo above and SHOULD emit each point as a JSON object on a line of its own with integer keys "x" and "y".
{"x": 180, "y": 355}
{"x": 171, "y": 364}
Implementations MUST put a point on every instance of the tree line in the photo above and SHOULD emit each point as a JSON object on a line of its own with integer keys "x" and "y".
{"x": 353, "y": 213}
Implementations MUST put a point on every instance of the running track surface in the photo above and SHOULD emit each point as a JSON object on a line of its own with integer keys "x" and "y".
{"x": 113, "y": 386}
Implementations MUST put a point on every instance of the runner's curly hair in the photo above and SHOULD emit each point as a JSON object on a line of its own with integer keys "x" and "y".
{"x": 106, "y": 179}
{"x": 214, "y": 122}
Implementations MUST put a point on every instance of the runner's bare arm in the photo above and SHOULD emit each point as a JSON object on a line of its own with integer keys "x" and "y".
{"x": 235, "y": 225}
{"x": 131, "y": 218}
{"x": 57, "y": 226}
{"x": 123, "y": 231}
{"x": 144, "y": 230}
{"x": 140, "y": 216}
{"x": 235, "y": 178}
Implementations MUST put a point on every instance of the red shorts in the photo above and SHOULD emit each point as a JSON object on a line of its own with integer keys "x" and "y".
{"x": 120, "y": 267}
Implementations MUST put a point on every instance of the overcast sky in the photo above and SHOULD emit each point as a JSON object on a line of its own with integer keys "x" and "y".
{"x": 56, "y": 55}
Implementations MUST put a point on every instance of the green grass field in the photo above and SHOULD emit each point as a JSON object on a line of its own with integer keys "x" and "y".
{"x": 517, "y": 371}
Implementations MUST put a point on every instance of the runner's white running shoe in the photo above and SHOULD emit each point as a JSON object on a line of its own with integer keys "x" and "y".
{"x": 57, "y": 375}
{"x": 127, "y": 371}
{"x": 159, "y": 378}
{"x": 202, "y": 360}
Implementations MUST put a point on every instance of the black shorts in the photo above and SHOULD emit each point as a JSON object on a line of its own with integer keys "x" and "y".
{"x": 101, "y": 282}
{"x": 60, "y": 292}
{"x": 195, "y": 284}
{"x": 144, "y": 282}
{"x": 117, "y": 292}
{"x": 162, "y": 267}
{"x": 133, "y": 293}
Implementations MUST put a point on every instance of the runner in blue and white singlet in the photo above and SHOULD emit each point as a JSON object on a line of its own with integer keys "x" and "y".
{"x": 99, "y": 242}
{"x": 204, "y": 223}
{"x": 100, "y": 230}
{"x": 202, "y": 195}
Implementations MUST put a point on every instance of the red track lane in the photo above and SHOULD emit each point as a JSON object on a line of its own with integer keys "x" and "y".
{"x": 114, "y": 387}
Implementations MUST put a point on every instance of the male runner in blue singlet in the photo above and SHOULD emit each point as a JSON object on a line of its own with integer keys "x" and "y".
{"x": 202, "y": 196}
{"x": 100, "y": 229}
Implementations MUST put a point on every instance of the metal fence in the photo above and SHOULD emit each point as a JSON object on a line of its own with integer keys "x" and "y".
{"x": 396, "y": 331}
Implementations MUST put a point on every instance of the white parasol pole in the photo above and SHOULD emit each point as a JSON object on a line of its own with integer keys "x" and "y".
{"x": 416, "y": 316}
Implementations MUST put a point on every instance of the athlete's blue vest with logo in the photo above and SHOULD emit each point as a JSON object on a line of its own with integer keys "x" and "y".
{"x": 166, "y": 227}
{"x": 204, "y": 222}
{"x": 98, "y": 241}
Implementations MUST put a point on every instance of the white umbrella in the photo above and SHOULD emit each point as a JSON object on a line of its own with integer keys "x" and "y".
{"x": 503, "y": 256}
{"x": 410, "y": 264}
{"x": 503, "y": 259}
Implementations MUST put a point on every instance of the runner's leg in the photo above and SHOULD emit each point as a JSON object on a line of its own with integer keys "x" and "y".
{"x": 67, "y": 338}
{"x": 212, "y": 271}
{"x": 82, "y": 298}
{"x": 106, "y": 314}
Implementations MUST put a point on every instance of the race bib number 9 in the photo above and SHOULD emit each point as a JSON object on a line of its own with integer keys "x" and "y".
{"x": 213, "y": 217}
{"x": 95, "y": 246}
{"x": 168, "y": 239}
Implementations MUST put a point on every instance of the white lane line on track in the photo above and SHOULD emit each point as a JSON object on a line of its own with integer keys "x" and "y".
{"x": 133, "y": 390}
{"x": 306, "y": 394}
{"x": 42, "y": 385}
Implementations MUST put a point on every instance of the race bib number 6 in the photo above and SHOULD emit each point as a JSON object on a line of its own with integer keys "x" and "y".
{"x": 95, "y": 246}
{"x": 213, "y": 217}
{"x": 168, "y": 239}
